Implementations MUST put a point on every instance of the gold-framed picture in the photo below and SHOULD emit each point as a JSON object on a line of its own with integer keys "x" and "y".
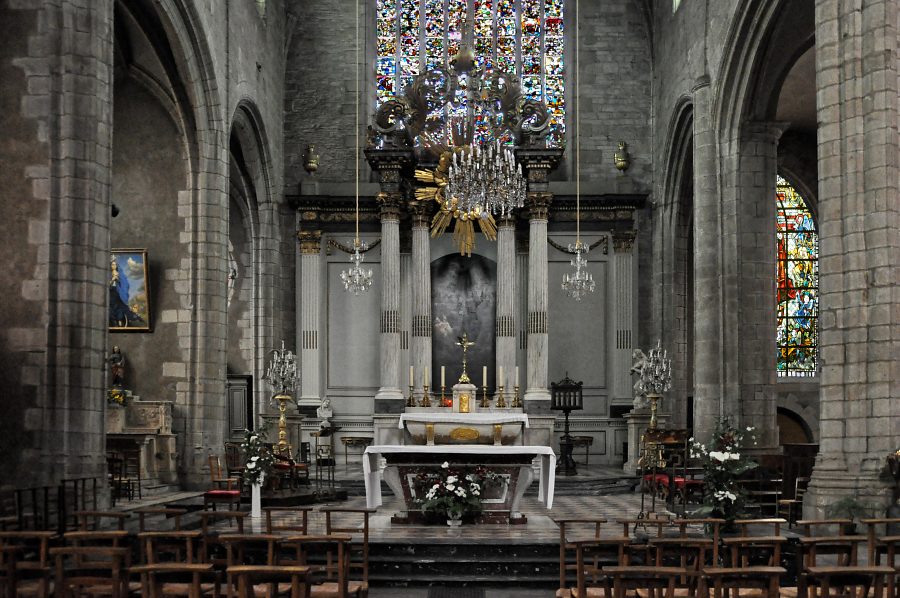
{"x": 129, "y": 291}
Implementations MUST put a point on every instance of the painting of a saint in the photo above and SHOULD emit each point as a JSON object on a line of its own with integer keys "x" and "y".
{"x": 129, "y": 305}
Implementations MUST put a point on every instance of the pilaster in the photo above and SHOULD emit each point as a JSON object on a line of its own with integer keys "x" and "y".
{"x": 506, "y": 301}
{"x": 625, "y": 307}
{"x": 310, "y": 318}
{"x": 420, "y": 332}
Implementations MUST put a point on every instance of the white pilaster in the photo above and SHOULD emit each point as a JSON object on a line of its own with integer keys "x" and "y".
{"x": 309, "y": 323}
{"x": 506, "y": 303}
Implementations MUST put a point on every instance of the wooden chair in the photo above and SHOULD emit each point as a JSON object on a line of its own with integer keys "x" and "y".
{"x": 160, "y": 580}
{"x": 289, "y": 471}
{"x": 272, "y": 578}
{"x": 655, "y": 581}
{"x": 746, "y": 550}
{"x": 329, "y": 562}
{"x": 356, "y": 523}
{"x": 240, "y": 547}
{"x": 91, "y": 571}
{"x": 119, "y": 486}
{"x": 131, "y": 470}
{"x": 274, "y": 522}
{"x": 31, "y": 554}
{"x": 234, "y": 460}
{"x": 877, "y": 548}
{"x": 171, "y": 546}
{"x": 689, "y": 554}
{"x": 211, "y": 550}
{"x": 789, "y": 508}
{"x": 224, "y": 489}
{"x": 724, "y": 580}
{"x": 571, "y": 530}
{"x": 591, "y": 558}
{"x": 93, "y": 520}
{"x": 826, "y": 527}
{"x": 642, "y": 529}
{"x": 892, "y": 546}
{"x": 168, "y": 513}
{"x": 844, "y": 549}
{"x": 835, "y": 581}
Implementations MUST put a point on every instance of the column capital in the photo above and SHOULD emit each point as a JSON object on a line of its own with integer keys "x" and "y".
{"x": 389, "y": 163}
{"x": 508, "y": 221}
{"x": 420, "y": 212}
{"x": 310, "y": 241}
{"x": 538, "y": 163}
{"x": 538, "y": 205}
{"x": 623, "y": 240}
{"x": 765, "y": 131}
{"x": 390, "y": 205}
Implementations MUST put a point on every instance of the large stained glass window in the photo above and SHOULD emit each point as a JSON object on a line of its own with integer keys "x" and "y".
{"x": 522, "y": 37}
{"x": 797, "y": 275}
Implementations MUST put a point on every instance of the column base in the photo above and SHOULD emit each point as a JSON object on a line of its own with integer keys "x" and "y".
{"x": 389, "y": 400}
{"x": 537, "y": 400}
{"x": 308, "y": 405}
{"x": 827, "y": 486}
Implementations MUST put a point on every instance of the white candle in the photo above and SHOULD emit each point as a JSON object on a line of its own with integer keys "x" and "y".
{"x": 443, "y": 369}
{"x": 425, "y": 378}
{"x": 412, "y": 375}
{"x": 484, "y": 375}
{"x": 517, "y": 375}
{"x": 500, "y": 376}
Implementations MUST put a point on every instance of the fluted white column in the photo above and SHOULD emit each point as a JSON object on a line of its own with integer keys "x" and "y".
{"x": 390, "y": 298}
{"x": 537, "y": 394}
{"x": 420, "y": 337}
{"x": 506, "y": 302}
{"x": 624, "y": 308}
{"x": 310, "y": 317}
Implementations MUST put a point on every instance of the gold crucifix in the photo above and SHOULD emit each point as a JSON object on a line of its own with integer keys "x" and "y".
{"x": 465, "y": 343}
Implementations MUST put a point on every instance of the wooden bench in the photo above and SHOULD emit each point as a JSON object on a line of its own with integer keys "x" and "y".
{"x": 357, "y": 441}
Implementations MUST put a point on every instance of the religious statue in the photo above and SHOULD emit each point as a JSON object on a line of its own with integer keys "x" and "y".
{"x": 116, "y": 367}
{"x": 324, "y": 413}
{"x": 640, "y": 362}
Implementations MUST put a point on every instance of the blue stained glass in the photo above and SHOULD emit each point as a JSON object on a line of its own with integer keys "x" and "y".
{"x": 386, "y": 66}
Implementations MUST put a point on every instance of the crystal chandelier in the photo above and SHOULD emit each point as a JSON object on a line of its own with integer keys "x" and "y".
{"x": 282, "y": 371}
{"x": 486, "y": 180}
{"x": 656, "y": 373}
{"x": 580, "y": 283}
{"x": 357, "y": 280}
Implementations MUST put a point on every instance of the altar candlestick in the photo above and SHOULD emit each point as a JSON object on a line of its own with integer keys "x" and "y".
{"x": 443, "y": 378}
{"x": 484, "y": 375}
{"x": 412, "y": 375}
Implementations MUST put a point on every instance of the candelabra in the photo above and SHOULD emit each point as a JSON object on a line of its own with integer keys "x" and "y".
{"x": 411, "y": 401}
{"x": 485, "y": 402}
{"x": 486, "y": 179}
{"x": 426, "y": 400}
{"x": 356, "y": 280}
{"x": 282, "y": 375}
{"x": 445, "y": 400}
{"x": 501, "y": 400}
{"x": 655, "y": 378}
{"x": 517, "y": 400}
{"x": 581, "y": 282}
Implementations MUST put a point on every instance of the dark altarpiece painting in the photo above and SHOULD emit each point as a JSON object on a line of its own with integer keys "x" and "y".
{"x": 463, "y": 299}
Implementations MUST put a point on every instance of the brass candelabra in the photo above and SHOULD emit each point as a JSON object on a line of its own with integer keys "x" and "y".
{"x": 411, "y": 401}
{"x": 485, "y": 402}
{"x": 445, "y": 402}
{"x": 426, "y": 400}
{"x": 501, "y": 399}
{"x": 517, "y": 400}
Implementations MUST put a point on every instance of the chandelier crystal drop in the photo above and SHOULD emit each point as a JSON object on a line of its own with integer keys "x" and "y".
{"x": 357, "y": 280}
{"x": 486, "y": 180}
{"x": 581, "y": 282}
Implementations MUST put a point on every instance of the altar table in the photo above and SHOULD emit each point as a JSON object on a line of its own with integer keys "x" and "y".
{"x": 438, "y": 426}
{"x": 402, "y": 461}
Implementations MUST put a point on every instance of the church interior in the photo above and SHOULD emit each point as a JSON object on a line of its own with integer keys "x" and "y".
{"x": 449, "y": 293}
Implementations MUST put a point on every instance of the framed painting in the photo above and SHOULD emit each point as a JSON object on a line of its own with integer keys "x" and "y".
{"x": 129, "y": 291}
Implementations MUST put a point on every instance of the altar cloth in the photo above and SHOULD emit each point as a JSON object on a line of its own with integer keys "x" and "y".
{"x": 480, "y": 417}
{"x": 373, "y": 454}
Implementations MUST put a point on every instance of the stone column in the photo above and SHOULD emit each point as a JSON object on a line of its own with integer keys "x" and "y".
{"x": 708, "y": 362}
{"x": 537, "y": 164}
{"x": 859, "y": 250}
{"x": 537, "y": 394}
{"x": 506, "y": 303}
{"x": 390, "y": 301}
{"x": 420, "y": 337}
{"x": 309, "y": 319}
{"x": 625, "y": 307}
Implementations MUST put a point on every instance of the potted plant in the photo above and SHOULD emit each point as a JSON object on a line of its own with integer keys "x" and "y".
{"x": 850, "y": 507}
{"x": 452, "y": 493}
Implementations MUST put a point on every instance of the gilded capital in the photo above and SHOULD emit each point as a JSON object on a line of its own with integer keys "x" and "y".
{"x": 420, "y": 212}
{"x": 390, "y": 205}
{"x": 538, "y": 205}
{"x": 623, "y": 240}
{"x": 310, "y": 241}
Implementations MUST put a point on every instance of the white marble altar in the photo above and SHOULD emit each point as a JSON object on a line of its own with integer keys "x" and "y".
{"x": 441, "y": 426}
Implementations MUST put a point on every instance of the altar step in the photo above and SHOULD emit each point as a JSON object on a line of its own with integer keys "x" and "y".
{"x": 464, "y": 564}
{"x": 565, "y": 486}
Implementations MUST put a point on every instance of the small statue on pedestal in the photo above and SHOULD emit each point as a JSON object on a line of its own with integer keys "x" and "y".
{"x": 640, "y": 362}
{"x": 324, "y": 413}
{"x": 116, "y": 367}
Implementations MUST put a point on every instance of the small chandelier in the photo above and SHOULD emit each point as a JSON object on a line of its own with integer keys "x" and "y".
{"x": 581, "y": 282}
{"x": 282, "y": 371}
{"x": 486, "y": 180}
{"x": 357, "y": 280}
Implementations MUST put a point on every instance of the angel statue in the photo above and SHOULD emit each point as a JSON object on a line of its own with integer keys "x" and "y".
{"x": 640, "y": 362}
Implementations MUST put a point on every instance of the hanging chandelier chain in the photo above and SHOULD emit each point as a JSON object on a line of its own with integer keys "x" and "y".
{"x": 356, "y": 147}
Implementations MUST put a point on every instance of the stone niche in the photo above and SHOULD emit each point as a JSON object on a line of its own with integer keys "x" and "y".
{"x": 144, "y": 427}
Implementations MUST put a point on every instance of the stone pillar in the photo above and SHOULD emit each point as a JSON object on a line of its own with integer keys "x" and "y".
{"x": 625, "y": 307}
{"x": 420, "y": 337}
{"x": 859, "y": 250}
{"x": 537, "y": 165}
{"x": 309, "y": 319}
{"x": 708, "y": 361}
{"x": 506, "y": 303}
{"x": 390, "y": 300}
{"x": 389, "y": 163}
{"x": 537, "y": 393}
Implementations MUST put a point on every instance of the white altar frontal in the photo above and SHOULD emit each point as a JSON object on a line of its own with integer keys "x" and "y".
{"x": 432, "y": 426}
{"x": 399, "y": 465}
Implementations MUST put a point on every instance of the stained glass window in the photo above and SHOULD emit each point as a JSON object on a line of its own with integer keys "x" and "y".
{"x": 797, "y": 276}
{"x": 522, "y": 37}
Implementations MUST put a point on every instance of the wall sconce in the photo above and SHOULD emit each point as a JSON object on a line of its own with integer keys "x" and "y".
{"x": 311, "y": 164}
{"x": 621, "y": 157}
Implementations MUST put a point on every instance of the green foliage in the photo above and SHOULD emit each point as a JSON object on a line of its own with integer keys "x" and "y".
{"x": 258, "y": 457}
{"x": 724, "y": 462}
{"x": 850, "y": 507}
{"x": 452, "y": 492}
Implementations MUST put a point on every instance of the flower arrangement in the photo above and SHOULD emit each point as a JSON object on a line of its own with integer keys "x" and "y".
{"x": 116, "y": 396}
{"x": 258, "y": 457}
{"x": 724, "y": 462}
{"x": 452, "y": 492}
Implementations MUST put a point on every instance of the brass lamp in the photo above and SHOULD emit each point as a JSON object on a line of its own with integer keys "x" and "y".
{"x": 282, "y": 375}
